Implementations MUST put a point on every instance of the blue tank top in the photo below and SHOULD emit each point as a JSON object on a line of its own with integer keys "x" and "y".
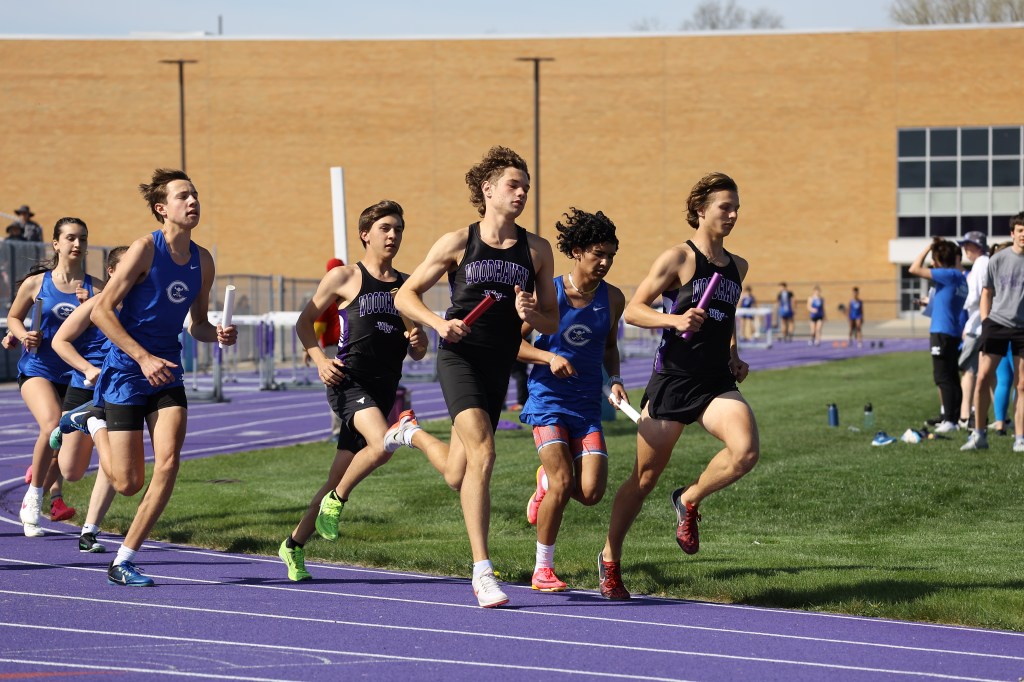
{"x": 155, "y": 308}
{"x": 92, "y": 345}
{"x": 817, "y": 308}
{"x": 581, "y": 337}
{"x": 856, "y": 309}
{"x": 56, "y": 307}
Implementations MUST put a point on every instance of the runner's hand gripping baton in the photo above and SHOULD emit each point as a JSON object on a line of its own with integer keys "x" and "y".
{"x": 409, "y": 324}
{"x": 625, "y": 407}
{"x": 229, "y": 308}
{"x": 705, "y": 298}
{"x": 37, "y": 321}
{"x": 481, "y": 307}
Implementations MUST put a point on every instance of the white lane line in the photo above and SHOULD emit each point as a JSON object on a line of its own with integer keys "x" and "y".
{"x": 594, "y": 673}
{"x": 125, "y": 669}
{"x": 334, "y": 652}
{"x": 532, "y": 613}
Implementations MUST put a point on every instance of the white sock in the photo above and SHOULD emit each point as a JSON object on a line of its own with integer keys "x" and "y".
{"x": 95, "y": 424}
{"x": 481, "y": 567}
{"x": 34, "y": 493}
{"x": 408, "y": 434}
{"x": 544, "y": 481}
{"x": 90, "y": 528}
{"x": 124, "y": 554}
{"x": 545, "y": 556}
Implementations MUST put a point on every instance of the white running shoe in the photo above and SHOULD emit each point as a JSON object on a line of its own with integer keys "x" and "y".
{"x": 1018, "y": 445}
{"x": 947, "y": 427}
{"x": 488, "y": 592}
{"x": 395, "y": 436}
{"x": 30, "y": 516}
{"x": 976, "y": 441}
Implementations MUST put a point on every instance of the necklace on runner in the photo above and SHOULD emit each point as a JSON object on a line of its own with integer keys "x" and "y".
{"x": 580, "y": 291}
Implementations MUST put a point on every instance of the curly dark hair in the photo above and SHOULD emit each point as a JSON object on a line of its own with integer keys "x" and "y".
{"x": 700, "y": 195}
{"x": 582, "y": 229}
{"x": 944, "y": 253}
{"x": 490, "y": 168}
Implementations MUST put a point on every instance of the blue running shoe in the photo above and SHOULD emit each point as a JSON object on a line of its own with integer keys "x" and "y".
{"x": 127, "y": 573}
{"x": 883, "y": 438}
{"x": 78, "y": 418}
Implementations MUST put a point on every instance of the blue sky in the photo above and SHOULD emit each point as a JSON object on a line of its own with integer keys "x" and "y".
{"x": 401, "y": 18}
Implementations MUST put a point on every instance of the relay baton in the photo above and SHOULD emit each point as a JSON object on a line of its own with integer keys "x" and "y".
{"x": 625, "y": 407}
{"x": 409, "y": 324}
{"x": 229, "y": 308}
{"x": 706, "y": 298}
{"x": 37, "y": 321}
{"x": 480, "y": 308}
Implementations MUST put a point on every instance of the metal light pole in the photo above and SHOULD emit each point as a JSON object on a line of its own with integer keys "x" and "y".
{"x": 536, "y": 135}
{"x": 181, "y": 98}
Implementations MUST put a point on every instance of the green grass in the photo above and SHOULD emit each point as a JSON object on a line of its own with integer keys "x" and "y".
{"x": 824, "y": 522}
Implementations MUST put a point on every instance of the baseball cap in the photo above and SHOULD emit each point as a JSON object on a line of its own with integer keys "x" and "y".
{"x": 977, "y": 238}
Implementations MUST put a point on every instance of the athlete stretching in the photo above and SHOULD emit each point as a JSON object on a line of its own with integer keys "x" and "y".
{"x": 564, "y": 403}
{"x": 491, "y": 257}
{"x": 694, "y": 380}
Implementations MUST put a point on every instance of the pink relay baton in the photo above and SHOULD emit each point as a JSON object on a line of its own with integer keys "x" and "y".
{"x": 705, "y": 298}
{"x": 481, "y": 307}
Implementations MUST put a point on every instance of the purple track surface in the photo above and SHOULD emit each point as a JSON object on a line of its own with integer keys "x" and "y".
{"x": 215, "y": 615}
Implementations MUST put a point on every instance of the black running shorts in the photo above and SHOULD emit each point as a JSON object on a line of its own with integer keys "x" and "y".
{"x": 350, "y": 397}
{"x": 683, "y": 399}
{"x": 469, "y": 381}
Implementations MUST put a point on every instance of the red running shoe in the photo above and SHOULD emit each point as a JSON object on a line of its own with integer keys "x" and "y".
{"x": 28, "y": 475}
{"x": 545, "y": 580}
{"x": 60, "y": 511}
{"x": 610, "y": 579}
{"x": 687, "y": 517}
{"x": 533, "y": 506}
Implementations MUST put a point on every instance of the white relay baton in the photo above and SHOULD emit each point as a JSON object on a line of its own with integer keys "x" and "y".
{"x": 625, "y": 407}
{"x": 37, "y": 321}
{"x": 229, "y": 308}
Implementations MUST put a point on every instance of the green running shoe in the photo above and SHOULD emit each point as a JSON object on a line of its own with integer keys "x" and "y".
{"x": 295, "y": 560}
{"x": 327, "y": 519}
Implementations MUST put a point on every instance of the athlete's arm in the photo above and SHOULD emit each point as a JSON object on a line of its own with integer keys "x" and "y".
{"x": 27, "y": 293}
{"x": 918, "y": 268}
{"x": 331, "y": 292}
{"x": 985, "y": 304}
{"x": 443, "y": 257}
{"x": 132, "y": 269}
{"x": 417, "y": 342}
{"x": 201, "y": 328}
{"x": 611, "y": 359}
{"x": 70, "y": 329}
{"x": 530, "y": 354}
{"x": 668, "y": 272}
{"x": 540, "y": 309}
{"x": 738, "y": 368}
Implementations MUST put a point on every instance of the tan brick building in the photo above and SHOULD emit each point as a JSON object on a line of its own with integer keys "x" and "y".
{"x": 807, "y": 123}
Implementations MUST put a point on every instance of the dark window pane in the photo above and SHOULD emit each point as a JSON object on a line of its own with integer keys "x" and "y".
{"x": 943, "y": 143}
{"x": 973, "y": 223}
{"x": 943, "y": 174}
{"x": 974, "y": 142}
{"x": 943, "y": 226}
{"x": 911, "y": 227}
{"x": 974, "y": 173}
{"x": 1006, "y": 141}
{"x": 911, "y": 143}
{"x": 911, "y": 174}
{"x": 1001, "y": 228}
{"x": 1005, "y": 173}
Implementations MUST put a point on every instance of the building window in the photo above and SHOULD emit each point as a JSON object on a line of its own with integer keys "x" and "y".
{"x": 957, "y": 180}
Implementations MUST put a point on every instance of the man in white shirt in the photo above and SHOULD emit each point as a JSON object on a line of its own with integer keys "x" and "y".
{"x": 975, "y": 248}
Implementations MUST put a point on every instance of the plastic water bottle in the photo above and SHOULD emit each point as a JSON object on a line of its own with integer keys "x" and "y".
{"x": 833, "y": 415}
{"x": 869, "y": 418}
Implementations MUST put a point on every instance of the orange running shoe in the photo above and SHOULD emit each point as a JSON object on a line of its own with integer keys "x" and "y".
{"x": 545, "y": 580}
{"x": 533, "y": 506}
{"x": 395, "y": 436}
{"x": 686, "y": 523}
{"x": 610, "y": 579}
{"x": 60, "y": 511}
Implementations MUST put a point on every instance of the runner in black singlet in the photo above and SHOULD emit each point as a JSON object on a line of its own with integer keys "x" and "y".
{"x": 694, "y": 379}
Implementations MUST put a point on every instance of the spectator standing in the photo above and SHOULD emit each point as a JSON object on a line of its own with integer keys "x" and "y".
{"x": 30, "y": 230}
{"x": 975, "y": 248}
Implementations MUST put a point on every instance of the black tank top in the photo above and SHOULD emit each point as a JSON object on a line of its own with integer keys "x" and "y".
{"x": 706, "y": 353}
{"x": 373, "y": 344}
{"x": 484, "y": 268}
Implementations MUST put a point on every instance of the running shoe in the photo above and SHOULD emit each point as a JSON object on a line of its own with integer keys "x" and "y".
{"x": 947, "y": 427}
{"x": 327, "y": 519}
{"x": 883, "y": 438}
{"x": 1018, "y": 444}
{"x": 295, "y": 560}
{"x": 30, "y": 516}
{"x": 488, "y": 592}
{"x": 395, "y": 436}
{"x": 976, "y": 441}
{"x": 533, "y": 506}
{"x": 610, "y": 579}
{"x": 87, "y": 542}
{"x": 687, "y": 517}
{"x": 128, "y": 574}
{"x": 60, "y": 511}
{"x": 56, "y": 440}
{"x": 545, "y": 580}
{"x": 78, "y": 418}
